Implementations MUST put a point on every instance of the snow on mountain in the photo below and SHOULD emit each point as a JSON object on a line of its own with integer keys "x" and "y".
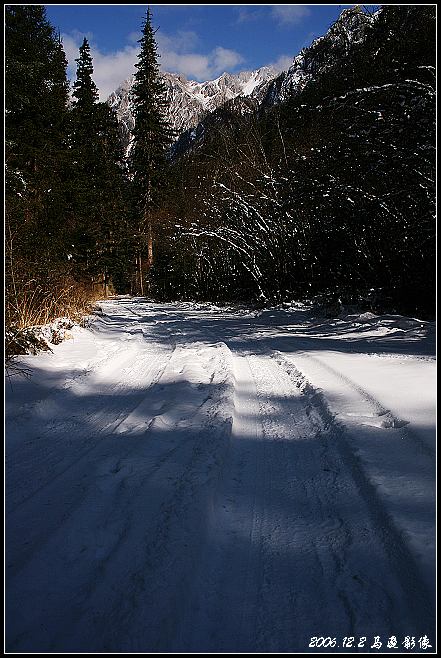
{"x": 189, "y": 101}
{"x": 350, "y": 28}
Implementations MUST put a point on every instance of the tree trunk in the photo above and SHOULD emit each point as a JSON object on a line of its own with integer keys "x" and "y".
{"x": 149, "y": 244}
{"x": 148, "y": 221}
{"x": 141, "y": 285}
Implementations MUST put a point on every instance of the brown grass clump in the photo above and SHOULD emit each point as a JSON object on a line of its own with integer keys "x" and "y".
{"x": 31, "y": 304}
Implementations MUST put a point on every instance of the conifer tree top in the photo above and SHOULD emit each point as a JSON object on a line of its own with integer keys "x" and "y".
{"x": 147, "y": 63}
{"x": 152, "y": 134}
{"x": 85, "y": 90}
{"x": 148, "y": 91}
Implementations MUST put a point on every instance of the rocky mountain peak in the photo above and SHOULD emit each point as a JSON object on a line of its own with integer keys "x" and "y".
{"x": 350, "y": 28}
{"x": 188, "y": 100}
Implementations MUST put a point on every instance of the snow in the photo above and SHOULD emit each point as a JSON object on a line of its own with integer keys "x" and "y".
{"x": 191, "y": 477}
{"x": 254, "y": 81}
{"x": 189, "y": 100}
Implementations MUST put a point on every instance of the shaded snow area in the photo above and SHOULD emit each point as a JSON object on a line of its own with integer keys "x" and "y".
{"x": 184, "y": 477}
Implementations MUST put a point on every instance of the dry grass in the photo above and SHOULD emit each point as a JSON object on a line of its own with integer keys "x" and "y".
{"x": 30, "y": 304}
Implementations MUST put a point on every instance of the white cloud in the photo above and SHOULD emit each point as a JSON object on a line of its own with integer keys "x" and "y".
{"x": 178, "y": 54}
{"x": 290, "y": 14}
{"x": 282, "y": 63}
{"x": 248, "y": 15}
{"x": 111, "y": 69}
{"x": 134, "y": 36}
{"x": 283, "y": 14}
{"x": 191, "y": 65}
{"x": 222, "y": 59}
{"x": 182, "y": 42}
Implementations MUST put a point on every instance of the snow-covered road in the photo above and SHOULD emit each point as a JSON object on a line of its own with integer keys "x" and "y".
{"x": 187, "y": 478}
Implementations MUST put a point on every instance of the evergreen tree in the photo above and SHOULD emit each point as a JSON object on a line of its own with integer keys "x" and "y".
{"x": 152, "y": 137}
{"x": 85, "y": 91}
{"x": 98, "y": 175}
{"x": 36, "y": 88}
{"x": 37, "y": 154}
{"x": 112, "y": 258}
{"x": 87, "y": 160}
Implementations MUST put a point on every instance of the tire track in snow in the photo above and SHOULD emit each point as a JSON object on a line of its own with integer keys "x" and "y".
{"x": 103, "y": 411}
{"x": 142, "y": 508}
{"x": 247, "y": 427}
{"x": 388, "y": 419}
{"x": 247, "y": 533}
{"x": 61, "y": 502}
{"x": 302, "y": 529}
{"x": 418, "y": 598}
{"x": 137, "y": 374}
{"x": 250, "y": 594}
{"x": 165, "y": 537}
{"x": 219, "y": 610}
{"x": 297, "y": 546}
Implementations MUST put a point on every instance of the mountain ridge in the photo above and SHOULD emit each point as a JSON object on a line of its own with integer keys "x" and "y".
{"x": 190, "y": 101}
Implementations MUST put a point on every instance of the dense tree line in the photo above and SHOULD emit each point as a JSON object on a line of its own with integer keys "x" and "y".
{"x": 64, "y": 175}
{"x": 99, "y": 196}
{"x": 331, "y": 192}
{"x": 77, "y": 218}
{"x": 37, "y": 161}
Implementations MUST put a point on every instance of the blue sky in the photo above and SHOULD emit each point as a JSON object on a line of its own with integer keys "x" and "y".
{"x": 199, "y": 41}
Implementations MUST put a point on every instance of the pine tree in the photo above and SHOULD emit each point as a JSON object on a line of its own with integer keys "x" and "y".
{"x": 152, "y": 137}
{"x": 86, "y": 157}
{"x": 111, "y": 246}
{"x": 98, "y": 173}
{"x": 36, "y": 87}
{"x": 37, "y": 155}
{"x": 85, "y": 91}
